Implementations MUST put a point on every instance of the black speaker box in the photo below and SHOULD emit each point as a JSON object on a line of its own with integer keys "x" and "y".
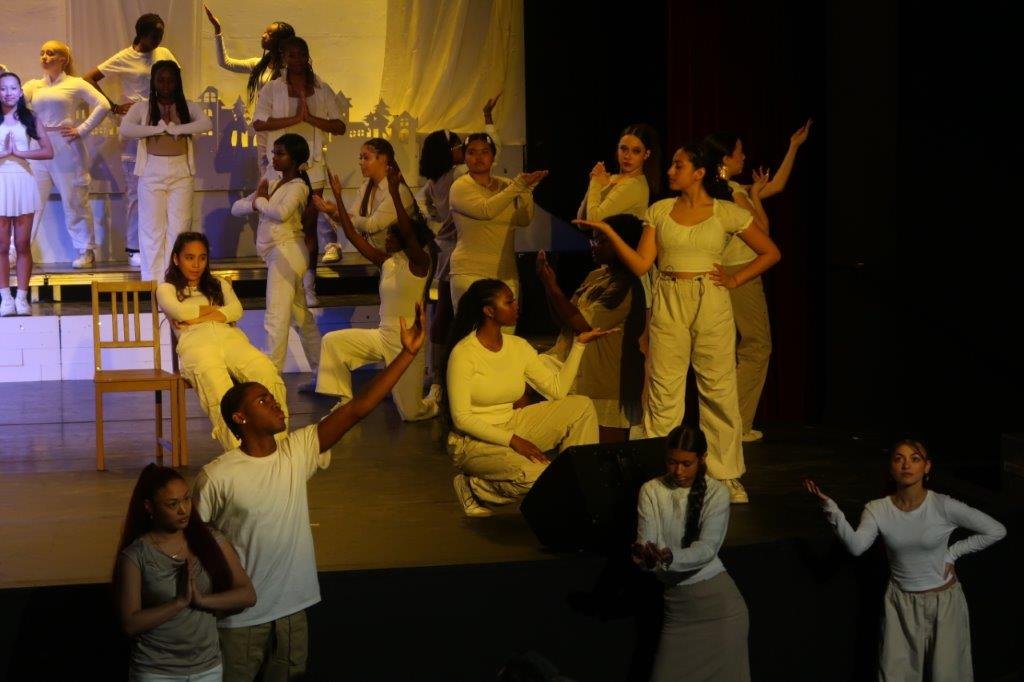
{"x": 586, "y": 498}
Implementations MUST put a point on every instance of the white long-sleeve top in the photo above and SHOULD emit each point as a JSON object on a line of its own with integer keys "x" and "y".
{"x": 485, "y": 220}
{"x": 136, "y": 124}
{"x": 274, "y": 102}
{"x": 280, "y": 215}
{"x": 661, "y": 519}
{"x": 483, "y": 384}
{"x": 55, "y": 101}
{"x": 188, "y": 308}
{"x": 237, "y": 65}
{"x": 435, "y": 192}
{"x": 380, "y": 209}
{"x": 629, "y": 195}
{"x": 917, "y": 541}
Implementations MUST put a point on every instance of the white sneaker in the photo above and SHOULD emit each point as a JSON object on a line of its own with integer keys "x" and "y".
{"x": 752, "y": 436}
{"x": 22, "y": 307}
{"x": 434, "y": 394}
{"x": 470, "y": 506}
{"x": 332, "y": 254}
{"x": 85, "y": 260}
{"x": 134, "y": 259}
{"x": 7, "y": 307}
{"x": 737, "y": 493}
{"x": 309, "y": 286}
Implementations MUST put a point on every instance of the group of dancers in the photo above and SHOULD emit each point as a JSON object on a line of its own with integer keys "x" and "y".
{"x": 213, "y": 579}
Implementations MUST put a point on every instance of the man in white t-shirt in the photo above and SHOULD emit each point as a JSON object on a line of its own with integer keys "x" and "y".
{"x": 131, "y": 67}
{"x": 256, "y": 495}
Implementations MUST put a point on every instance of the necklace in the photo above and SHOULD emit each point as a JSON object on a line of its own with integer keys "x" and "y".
{"x": 177, "y": 554}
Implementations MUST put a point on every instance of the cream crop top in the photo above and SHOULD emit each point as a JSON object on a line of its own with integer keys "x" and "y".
{"x": 695, "y": 248}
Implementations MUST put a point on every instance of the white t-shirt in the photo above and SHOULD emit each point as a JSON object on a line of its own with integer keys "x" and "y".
{"x": 133, "y": 69}
{"x": 260, "y": 504}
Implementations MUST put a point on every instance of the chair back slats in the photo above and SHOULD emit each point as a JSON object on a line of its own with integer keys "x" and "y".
{"x": 126, "y": 318}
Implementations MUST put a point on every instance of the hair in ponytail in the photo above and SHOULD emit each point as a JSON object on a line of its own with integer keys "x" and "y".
{"x": 298, "y": 151}
{"x": 272, "y": 59}
{"x": 691, "y": 439}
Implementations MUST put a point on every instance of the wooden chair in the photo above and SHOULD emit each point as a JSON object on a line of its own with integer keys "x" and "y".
{"x": 126, "y": 324}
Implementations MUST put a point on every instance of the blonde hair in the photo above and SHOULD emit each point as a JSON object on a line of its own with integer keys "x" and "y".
{"x": 64, "y": 49}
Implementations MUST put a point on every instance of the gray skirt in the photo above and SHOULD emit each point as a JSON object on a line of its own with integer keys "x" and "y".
{"x": 704, "y": 635}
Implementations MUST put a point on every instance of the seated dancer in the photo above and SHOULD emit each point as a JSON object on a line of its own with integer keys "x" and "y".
{"x": 256, "y": 495}
{"x": 500, "y": 451}
{"x": 404, "y": 276}
{"x": 682, "y": 519}
{"x": 213, "y": 353}
{"x": 611, "y": 372}
{"x": 926, "y": 633}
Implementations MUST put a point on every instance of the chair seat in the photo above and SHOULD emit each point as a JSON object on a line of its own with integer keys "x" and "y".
{"x": 131, "y": 375}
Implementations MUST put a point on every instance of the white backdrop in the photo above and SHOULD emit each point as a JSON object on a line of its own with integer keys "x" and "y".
{"x": 401, "y": 67}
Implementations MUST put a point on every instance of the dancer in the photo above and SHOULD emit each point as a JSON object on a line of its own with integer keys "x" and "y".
{"x": 612, "y": 368}
{"x": 165, "y": 163}
{"x": 261, "y": 70}
{"x": 256, "y": 495}
{"x": 132, "y": 67}
{"x": 55, "y": 99}
{"x": 629, "y": 190}
{"x": 174, "y": 575}
{"x": 925, "y": 626}
{"x": 279, "y": 241}
{"x": 404, "y": 276}
{"x": 442, "y": 160}
{"x": 500, "y": 451}
{"x": 213, "y": 353}
{"x": 691, "y": 318}
{"x": 682, "y": 519}
{"x": 749, "y": 307}
{"x": 376, "y": 211}
{"x": 486, "y": 210}
{"x": 21, "y": 141}
{"x": 300, "y": 102}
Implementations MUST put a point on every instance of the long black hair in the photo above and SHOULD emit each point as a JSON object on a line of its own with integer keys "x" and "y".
{"x": 436, "y": 154}
{"x": 209, "y": 285}
{"x": 692, "y": 439}
{"x": 298, "y": 42}
{"x": 468, "y": 317}
{"x": 652, "y": 164}
{"x": 200, "y": 540}
{"x": 180, "y": 103}
{"x": 381, "y": 147}
{"x": 21, "y": 110}
{"x": 298, "y": 150}
{"x": 702, "y": 156}
{"x": 721, "y": 144}
{"x": 272, "y": 59}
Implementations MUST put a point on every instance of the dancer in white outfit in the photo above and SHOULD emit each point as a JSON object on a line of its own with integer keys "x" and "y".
{"x": 132, "y": 68}
{"x": 486, "y": 210}
{"x": 213, "y": 353}
{"x": 501, "y": 450}
{"x": 628, "y": 191}
{"x": 926, "y": 632}
{"x": 20, "y": 141}
{"x": 280, "y": 205}
{"x": 165, "y": 164}
{"x": 404, "y": 276}
{"x": 299, "y": 102}
{"x": 261, "y": 70}
{"x": 749, "y": 306}
{"x": 374, "y": 212}
{"x": 55, "y": 99}
{"x": 691, "y": 319}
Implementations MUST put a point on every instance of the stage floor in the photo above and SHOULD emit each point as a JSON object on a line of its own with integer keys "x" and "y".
{"x": 385, "y": 502}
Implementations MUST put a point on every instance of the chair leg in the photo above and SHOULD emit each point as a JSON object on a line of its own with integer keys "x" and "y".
{"x": 159, "y": 426}
{"x": 182, "y": 424}
{"x": 175, "y": 453}
{"x": 100, "y": 463}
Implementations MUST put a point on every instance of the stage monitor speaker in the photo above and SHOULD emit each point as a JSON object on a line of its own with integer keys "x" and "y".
{"x": 586, "y": 498}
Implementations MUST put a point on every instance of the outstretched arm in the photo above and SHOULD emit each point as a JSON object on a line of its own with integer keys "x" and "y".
{"x": 639, "y": 261}
{"x": 786, "y": 167}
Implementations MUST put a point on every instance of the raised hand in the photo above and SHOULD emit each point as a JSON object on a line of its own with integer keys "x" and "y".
{"x": 263, "y": 189}
{"x": 528, "y": 450}
{"x": 722, "y": 278}
{"x": 324, "y": 206}
{"x": 489, "y": 109}
{"x": 813, "y": 489}
{"x": 395, "y": 180}
{"x": 302, "y": 113}
{"x": 335, "y": 186}
{"x": 544, "y": 270}
{"x": 599, "y": 174}
{"x": 213, "y": 20}
{"x": 595, "y": 333}
{"x": 800, "y": 136}
{"x": 185, "y": 585}
{"x": 197, "y": 596}
{"x": 531, "y": 179}
{"x": 413, "y": 337}
{"x": 598, "y": 225}
{"x": 761, "y": 178}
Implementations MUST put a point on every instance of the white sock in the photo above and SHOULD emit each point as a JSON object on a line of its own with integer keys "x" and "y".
{"x": 22, "y": 294}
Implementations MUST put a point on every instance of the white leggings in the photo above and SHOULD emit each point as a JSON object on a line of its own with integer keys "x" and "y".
{"x": 165, "y": 211}
{"x": 347, "y": 349}
{"x": 68, "y": 171}
{"x": 691, "y": 321}
{"x": 286, "y": 300}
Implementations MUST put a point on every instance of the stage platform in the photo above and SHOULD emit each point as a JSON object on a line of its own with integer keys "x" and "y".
{"x": 414, "y": 590}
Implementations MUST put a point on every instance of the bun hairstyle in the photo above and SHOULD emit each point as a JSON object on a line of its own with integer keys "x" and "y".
{"x": 703, "y": 156}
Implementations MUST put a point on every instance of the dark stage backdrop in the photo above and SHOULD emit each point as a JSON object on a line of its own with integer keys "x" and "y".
{"x": 895, "y": 307}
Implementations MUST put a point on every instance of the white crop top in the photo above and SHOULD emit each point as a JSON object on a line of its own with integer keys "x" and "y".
{"x": 695, "y": 248}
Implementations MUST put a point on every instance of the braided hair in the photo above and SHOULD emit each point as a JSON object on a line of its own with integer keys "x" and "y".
{"x": 691, "y": 439}
{"x": 272, "y": 59}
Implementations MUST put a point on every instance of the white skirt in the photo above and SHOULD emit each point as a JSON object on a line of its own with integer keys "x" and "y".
{"x": 19, "y": 194}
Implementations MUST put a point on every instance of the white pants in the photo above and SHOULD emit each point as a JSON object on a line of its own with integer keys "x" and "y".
{"x": 286, "y": 300}
{"x": 68, "y": 171}
{"x": 347, "y": 349}
{"x": 753, "y": 345}
{"x": 691, "y": 321}
{"x": 459, "y": 284}
{"x": 211, "y": 675}
{"x": 497, "y": 473}
{"x": 925, "y": 636}
{"x": 213, "y": 355}
{"x": 165, "y": 211}
{"x": 131, "y": 194}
